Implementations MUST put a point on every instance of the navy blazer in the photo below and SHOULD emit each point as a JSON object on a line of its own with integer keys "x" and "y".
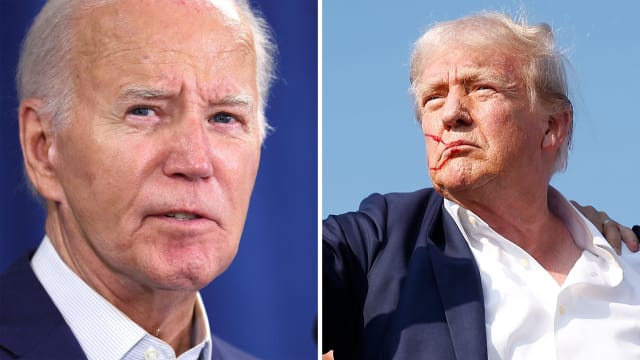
{"x": 31, "y": 327}
{"x": 400, "y": 282}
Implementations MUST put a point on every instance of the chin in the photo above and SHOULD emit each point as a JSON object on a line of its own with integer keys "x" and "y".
{"x": 184, "y": 279}
{"x": 190, "y": 272}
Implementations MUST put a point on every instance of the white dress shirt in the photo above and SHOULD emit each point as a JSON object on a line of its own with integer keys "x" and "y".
{"x": 594, "y": 314}
{"x": 103, "y": 331}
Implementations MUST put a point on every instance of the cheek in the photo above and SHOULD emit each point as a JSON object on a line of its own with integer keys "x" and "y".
{"x": 430, "y": 149}
{"x": 250, "y": 163}
{"x": 76, "y": 162}
{"x": 117, "y": 169}
{"x": 427, "y": 123}
{"x": 106, "y": 172}
{"x": 430, "y": 134}
{"x": 238, "y": 167}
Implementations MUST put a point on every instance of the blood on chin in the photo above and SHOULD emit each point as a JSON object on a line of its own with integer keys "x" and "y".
{"x": 442, "y": 163}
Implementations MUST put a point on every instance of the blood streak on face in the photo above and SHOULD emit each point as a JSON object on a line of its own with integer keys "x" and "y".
{"x": 435, "y": 138}
{"x": 448, "y": 145}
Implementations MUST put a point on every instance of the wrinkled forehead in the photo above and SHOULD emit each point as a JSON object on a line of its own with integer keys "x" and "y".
{"x": 456, "y": 54}
{"x": 166, "y": 23}
{"x": 479, "y": 50}
{"x": 476, "y": 41}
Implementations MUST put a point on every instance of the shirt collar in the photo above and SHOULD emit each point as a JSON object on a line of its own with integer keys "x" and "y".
{"x": 90, "y": 316}
{"x": 583, "y": 232}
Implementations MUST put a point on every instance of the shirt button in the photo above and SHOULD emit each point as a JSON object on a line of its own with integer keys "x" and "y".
{"x": 150, "y": 354}
{"x": 473, "y": 221}
{"x": 561, "y": 309}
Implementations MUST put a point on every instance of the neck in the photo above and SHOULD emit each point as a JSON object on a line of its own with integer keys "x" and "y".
{"x": 525, "y": 218}
{"x": 171, "y": 323}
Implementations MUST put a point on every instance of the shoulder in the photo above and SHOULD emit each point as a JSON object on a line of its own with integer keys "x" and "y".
{"x": 225, "y": 351}
{"x": 377, "y": 211}
{"x": 400, "y": 201}
{"x": 393, "y": 220}
{"x": 18, "y": 287}
{"x": 401, "y": 204}
{"x": 16, "y": 271}
{"x": 31, "y": 327}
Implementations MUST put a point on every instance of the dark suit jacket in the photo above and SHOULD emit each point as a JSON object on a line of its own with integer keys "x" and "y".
{"x": 400, "y": 282}
{"x": 31, "y": 327}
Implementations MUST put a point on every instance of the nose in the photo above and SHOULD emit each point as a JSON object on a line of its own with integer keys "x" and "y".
{"x": 190, "y": 154}
{"x": 455, "y": 113}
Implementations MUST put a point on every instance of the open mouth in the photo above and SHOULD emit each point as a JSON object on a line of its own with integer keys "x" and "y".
{"x": 183, "y": 216}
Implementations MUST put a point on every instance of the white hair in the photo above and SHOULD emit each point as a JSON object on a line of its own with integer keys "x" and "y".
{"x": 45, "y": 66}
{"x": 542, "y": 70}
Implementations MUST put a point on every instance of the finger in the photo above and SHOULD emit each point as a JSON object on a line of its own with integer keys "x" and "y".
{"x": 604, "y": 221}
{"x": 629, "y": 238}
{"x": 611, "y": 232}
{"x": 591, "y": 214}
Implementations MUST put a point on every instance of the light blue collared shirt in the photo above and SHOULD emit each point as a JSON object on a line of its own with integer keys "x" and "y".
{"x": 103, "y": 331}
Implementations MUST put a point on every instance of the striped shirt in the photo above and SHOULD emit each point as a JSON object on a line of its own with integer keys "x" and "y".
{"x": 103, "y": 331}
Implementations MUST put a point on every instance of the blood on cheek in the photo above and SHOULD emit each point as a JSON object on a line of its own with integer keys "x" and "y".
{"x": 453, "y": 151}
{"x": 435, "y": 138}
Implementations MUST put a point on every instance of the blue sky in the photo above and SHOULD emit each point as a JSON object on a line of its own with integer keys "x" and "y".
{"x": 371, "y": 142}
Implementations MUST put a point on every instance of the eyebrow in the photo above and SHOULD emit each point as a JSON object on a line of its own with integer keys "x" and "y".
{"x": 136, "y": 92}
{"x": 470, "y": 77}
{"x": 236, "y": 100}
{"x": 491, "y": 76}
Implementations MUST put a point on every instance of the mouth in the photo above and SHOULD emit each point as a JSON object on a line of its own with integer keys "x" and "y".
{"x": 451, "y": 150}
{"x": 183, "y": 216}
{"x": 448, "y": 144}
{"x": 453, "y": 144}
{"x": 183, "y": 223}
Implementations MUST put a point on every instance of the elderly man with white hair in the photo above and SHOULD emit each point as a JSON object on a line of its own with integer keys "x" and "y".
{"x": 492, "y": 262}
{"x": 141, "y": 124}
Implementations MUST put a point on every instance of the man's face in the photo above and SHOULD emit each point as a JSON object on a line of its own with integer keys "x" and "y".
{"x": 478, "y": 125}
{"x": 159, "y": 160}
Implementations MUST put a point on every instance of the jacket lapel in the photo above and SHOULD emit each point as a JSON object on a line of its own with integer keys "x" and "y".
{"x": 460, "y": 287}
{"x": 31, "y": 327}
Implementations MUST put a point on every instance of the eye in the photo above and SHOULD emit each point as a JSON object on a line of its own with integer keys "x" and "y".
{"x": 223, "y": 118}
{"x": 484, "y": 88}
{"x": 431, "y": 100}
{"x": 142, "y": 111}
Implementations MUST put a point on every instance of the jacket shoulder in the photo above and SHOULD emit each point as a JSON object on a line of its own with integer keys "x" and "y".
{"x": 400, "y": 204}
{"x": 31, "y": 327}
{"x": 379, "y": 214}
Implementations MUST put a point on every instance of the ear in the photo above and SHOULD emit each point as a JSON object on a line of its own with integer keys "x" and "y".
{"x": 37, "y": 142}
{"x": 557, "y": 129}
